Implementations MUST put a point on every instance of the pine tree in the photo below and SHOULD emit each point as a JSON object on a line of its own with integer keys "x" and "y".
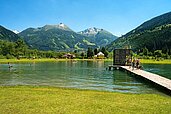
{"x": 89, "y": 53}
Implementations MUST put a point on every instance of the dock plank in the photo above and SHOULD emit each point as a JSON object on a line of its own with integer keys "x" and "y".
{"x": 150, "y": 76}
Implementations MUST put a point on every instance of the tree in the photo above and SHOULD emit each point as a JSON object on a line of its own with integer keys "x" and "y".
{"x": 169, "y": 52}
{"x": 104, "y": 51}
{"x": 89, "y": 53}
{"x": 158, "y": 53}
{"x": 21, "y": 48}
{"x": 145, "y": 51}
{"x": 165, "y": 49}
{"x": 82, "y": 55}
{"x": 75, "y": 51}
{"x": 95, "y": 51}
{"x": 167, "y": 56}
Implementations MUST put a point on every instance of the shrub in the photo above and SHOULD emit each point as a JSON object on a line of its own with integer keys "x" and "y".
{"x": 8, "y": 56}
{"x": 2, "y": 57}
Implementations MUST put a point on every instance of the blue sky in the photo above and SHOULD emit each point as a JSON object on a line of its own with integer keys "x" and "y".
{"x": 116, "y": 16}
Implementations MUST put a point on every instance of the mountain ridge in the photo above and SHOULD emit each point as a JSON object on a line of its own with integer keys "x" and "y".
{"x": 154, "y": 34}
{"x": 61, "y": 37}
{"x": 8, "y": 35}
{"x": 100, "y": 36}
{"x": 55, "y": 37}
{"x": 58, "y": 26}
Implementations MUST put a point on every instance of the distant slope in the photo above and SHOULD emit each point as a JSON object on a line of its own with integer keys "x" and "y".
{"x": 100, "y": 36}
{"x": 153, "y": 34}
{"x": 55, "y": 37}
{"x": 7, "y": 35}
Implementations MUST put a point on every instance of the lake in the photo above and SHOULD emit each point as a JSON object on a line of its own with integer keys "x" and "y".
{"x": 161, "y": 69}
{"x": 78, "y": 74}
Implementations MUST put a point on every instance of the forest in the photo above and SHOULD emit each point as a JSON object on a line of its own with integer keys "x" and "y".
{"x": 19, "y": 49}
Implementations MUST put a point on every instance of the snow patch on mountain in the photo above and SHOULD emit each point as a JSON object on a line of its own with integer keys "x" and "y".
{"x": 58, "y": 26}
{"x": 16, "y": 31}
{"x": 64, "y": 27}
{"x": 91, "y": 31}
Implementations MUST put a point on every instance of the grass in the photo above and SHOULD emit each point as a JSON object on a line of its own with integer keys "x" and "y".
{"x": 145, "y": 61}
{"x": 47, "y": 60}
{"x": 151, "y": 61}
{"x": 50, "y": 100}
{"x": 30, "y": 60}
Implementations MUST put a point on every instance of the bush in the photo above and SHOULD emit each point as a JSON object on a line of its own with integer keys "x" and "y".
{"x": 8, "y": 56}
{"x": 146, "y": 57}
{"x": 150, "y": 54}
{"x": 2, "y": 57}
{"x": 140, "y": 54}
{"x": 158, "y": 53}
{"x": 168, "y": 57}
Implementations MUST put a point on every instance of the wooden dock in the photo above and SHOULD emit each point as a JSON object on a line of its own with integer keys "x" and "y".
{"x": 164, "y": 82}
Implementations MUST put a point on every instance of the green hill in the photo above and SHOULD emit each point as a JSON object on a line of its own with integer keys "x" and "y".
{"x": 56, "y": 38}
{"x": 7, "y": 35}
{"x": 154, "y": 34}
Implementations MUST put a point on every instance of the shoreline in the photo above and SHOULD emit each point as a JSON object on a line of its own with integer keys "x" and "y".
{"x": 143, "y": 61}
{"x": 79, "y": 89}
{"x": 82, "y": 89}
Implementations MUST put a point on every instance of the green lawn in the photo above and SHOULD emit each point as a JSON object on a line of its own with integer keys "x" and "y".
{"x": 30, "y": 60}
{"x": 149, "y": 61}
{"x": 50, "y": 100}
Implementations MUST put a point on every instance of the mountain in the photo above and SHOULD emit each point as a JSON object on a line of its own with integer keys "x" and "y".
{"x": 154, "y": 34}
{"x": 100, "y": 36}
{"x": 56, "y": 38}
{"x": 8, "y": 35}
{"x": 59, "y": 26}
{"x": 16, "y": 31}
